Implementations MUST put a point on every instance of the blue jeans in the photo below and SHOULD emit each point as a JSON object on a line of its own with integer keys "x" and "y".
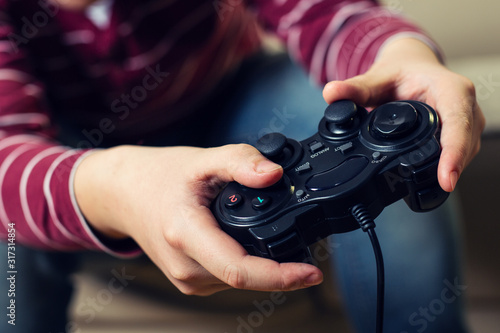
{"x": 424, "y": 289}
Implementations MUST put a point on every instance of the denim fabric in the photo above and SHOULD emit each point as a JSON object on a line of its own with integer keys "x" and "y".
{"x": 42, "y": 290}
{"x": 424, "y": 288}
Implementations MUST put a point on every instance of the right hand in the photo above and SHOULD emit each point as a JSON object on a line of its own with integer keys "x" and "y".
{"x": 161, "y": 198}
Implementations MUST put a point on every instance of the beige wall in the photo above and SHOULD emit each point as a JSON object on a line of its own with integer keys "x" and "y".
{"x": 462, "y": 28}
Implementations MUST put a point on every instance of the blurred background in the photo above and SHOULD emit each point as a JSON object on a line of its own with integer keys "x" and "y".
{"x": 468, "y": 32}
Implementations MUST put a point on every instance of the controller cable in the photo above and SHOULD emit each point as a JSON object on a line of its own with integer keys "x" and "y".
{"x": 367, "y": 224}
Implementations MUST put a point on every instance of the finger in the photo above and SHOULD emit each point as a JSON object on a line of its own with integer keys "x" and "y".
{"x": 241, "y": 163}
{"x": 462, "y": 125}
{"x": 185, "y": 273}
{"x": 228, "y": 261}
{"x": 191, "y": 278}
{"x": 370, "y": 89}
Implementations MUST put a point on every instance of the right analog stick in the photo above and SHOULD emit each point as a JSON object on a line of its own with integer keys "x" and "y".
{"x": 394, "y": 120}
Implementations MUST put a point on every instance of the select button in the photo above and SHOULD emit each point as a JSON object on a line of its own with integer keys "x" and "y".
{"x": 303, "y": 168}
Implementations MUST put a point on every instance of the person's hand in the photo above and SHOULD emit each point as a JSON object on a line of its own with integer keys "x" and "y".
{"x": 160, "y": 197}
{"x": 408, "y": 69}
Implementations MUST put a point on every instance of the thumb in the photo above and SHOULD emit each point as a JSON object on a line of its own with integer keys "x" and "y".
{"x": 370, "y": 89}
{"x": 241, "y": 163}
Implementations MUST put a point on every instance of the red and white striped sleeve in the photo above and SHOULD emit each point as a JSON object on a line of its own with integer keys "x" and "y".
{"x": 336, "y": 39}
{"x": 36, "y": 172}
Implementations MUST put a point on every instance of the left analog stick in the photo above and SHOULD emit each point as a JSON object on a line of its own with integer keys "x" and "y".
{"x": 279, "y": 149}
{"x": 271, "y": 145}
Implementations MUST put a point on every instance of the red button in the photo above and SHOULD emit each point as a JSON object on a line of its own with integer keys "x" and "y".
{"x": 233, "y": 201}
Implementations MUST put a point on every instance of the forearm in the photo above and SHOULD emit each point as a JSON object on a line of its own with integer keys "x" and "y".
{"x": 95, "y": 190}
{"x": 409, "y": 50}
{"x": 336, "y": 40}
{"x": 108, "y": 186}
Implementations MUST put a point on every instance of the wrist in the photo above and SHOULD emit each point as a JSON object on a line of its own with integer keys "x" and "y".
{"x": 95, "y": 190}
{"x": 408, "y": 49}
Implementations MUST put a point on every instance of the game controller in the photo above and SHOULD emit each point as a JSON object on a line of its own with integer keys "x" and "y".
{"x": 356, "y": 157}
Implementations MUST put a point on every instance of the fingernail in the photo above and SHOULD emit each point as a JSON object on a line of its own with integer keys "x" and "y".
{"x": 454, "y": 180}
{"x": 267, "y": 166}
{"x": 313, "y": 280}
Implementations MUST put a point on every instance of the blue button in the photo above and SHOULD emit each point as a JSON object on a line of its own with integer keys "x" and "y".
{"x": 261, "y": 202}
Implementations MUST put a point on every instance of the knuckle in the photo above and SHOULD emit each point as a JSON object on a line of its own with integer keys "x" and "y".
{"x": 234, "y": 276}
{"x": 242, "y": 155}
{"x": 234, "y": 154}
{"x": 464, "y": 85}
{"x": 194, "y": 290}
{"x": 245, "y": 147}
{"x": 239, "y": 152}
{"x": 237, "y": 149}
{"x": 180, "y": 274}
{"x": 244, "y": 150}
{"x": 173, "y": 238}
{"x": 477, "y": 148}
{"x": 189, "y": 290}
{"x": 185, "y": 277}
{"x": 468, "y": 85}
{"x": 188, "y": 279}
{"x": 289, "y": 282}
{"x": 481, "y": 121}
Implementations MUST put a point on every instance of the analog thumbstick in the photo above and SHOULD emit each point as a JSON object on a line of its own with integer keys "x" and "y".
{"x": 341, "y": 120}
{"x": 394, "y": 120}
{"x": 271, "y": 145}
{"x": 341, "y": 113}
{"x": 279, "y": 149}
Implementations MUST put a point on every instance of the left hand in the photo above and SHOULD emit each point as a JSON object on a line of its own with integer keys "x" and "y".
{"x": 408, "y": 69}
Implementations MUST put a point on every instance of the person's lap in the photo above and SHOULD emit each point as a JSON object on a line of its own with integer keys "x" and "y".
{"x": 270, "y": 94}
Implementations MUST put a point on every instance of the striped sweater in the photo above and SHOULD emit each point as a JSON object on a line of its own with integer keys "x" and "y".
{"x": 130, "y": 67}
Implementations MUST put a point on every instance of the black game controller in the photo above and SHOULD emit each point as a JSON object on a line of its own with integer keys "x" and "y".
{"x": 373, "y": 159}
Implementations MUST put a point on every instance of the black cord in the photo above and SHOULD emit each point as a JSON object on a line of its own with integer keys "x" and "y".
{"x": 367, "y": 224}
